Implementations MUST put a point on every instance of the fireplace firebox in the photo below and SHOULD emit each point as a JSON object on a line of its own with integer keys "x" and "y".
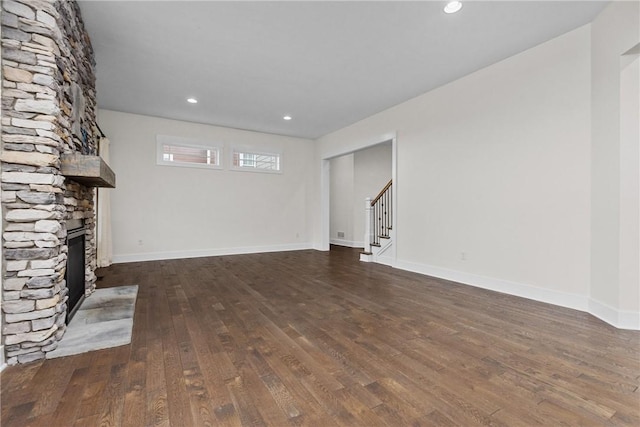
{"x": 75, "y": 273}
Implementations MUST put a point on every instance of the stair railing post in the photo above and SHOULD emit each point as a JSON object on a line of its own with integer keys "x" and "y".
{"x": 368, "y": 215}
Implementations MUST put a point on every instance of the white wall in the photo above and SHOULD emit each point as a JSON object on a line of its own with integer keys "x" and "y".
{"x": 161, "y": 212}
{"x": 354, "y": 177}
{"x": 496, "y": 165}
{"x": 342, "y": 200}
{"x": 614, "y": 32}
{"x": 630, "y": 186}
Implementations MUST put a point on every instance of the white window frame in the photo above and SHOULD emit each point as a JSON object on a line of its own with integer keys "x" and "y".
{"x": 255, "y": 150}
{"x": 162, "y": 140}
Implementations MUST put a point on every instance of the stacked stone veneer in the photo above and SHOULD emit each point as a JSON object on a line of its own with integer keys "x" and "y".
{"x": 48, "y": 107}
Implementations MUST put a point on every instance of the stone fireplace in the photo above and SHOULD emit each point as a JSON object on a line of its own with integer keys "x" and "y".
{"x": 48, "y": 109}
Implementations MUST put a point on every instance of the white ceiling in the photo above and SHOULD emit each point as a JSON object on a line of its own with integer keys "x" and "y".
{"x": 327, "y": 64}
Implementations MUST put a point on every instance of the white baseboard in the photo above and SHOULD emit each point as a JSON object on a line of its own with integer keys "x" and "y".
{"x": 622, "y": 319}
{"x": 385, "y": 260}
{"x": 347, "y": 243}
{"x": 564, "y": 299}
{"x": 157, "y": 256}
{"x": 619, "y": 319}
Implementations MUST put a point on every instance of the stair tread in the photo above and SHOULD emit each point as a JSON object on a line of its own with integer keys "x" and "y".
{"x": 384, "y": 237}
{"x": 375, "y": 244}
{"x": 366, "y": 253}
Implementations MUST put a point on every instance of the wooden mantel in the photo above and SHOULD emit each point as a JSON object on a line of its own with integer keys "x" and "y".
{"x": 91, "y": 171}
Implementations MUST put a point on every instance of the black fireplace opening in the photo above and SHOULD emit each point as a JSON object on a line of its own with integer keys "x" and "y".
{"x": 74, "y": 275}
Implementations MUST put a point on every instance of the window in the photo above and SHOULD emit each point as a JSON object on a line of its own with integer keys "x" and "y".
{"x": 183, "y": 154}
{"x": 174, "y": 151}
{"x": 247, "y": 159}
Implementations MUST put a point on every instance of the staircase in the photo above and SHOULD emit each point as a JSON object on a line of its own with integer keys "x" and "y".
{"x": 379, "y": 234}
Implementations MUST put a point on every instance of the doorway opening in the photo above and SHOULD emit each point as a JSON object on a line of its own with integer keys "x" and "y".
{"x": 356, "y": 177}
{"x": 348, "y": 178}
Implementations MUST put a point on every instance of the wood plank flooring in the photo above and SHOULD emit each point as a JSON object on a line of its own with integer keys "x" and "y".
{"x": 320, "y": 339}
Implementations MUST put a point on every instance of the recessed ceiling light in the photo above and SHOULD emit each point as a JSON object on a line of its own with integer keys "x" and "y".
{"x": 453, "y": 7}
{"x": 192, "y": 100}
{"x": 287, "y": 117}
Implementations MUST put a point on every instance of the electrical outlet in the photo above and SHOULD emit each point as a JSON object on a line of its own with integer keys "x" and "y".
{"x": 140, "y": 242}
{"x": 341, "y": 234}
{"x": 463, "y": 256}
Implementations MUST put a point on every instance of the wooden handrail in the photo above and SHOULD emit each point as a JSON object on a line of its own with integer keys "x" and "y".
{"x": 386, "y": 187}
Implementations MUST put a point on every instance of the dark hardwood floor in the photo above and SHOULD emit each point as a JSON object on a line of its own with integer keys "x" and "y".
{"x": 320, "y": 339}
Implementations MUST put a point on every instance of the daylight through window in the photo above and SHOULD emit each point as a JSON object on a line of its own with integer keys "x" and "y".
{"x": 180, "y": 152}
{"x": 263, "y": 162}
